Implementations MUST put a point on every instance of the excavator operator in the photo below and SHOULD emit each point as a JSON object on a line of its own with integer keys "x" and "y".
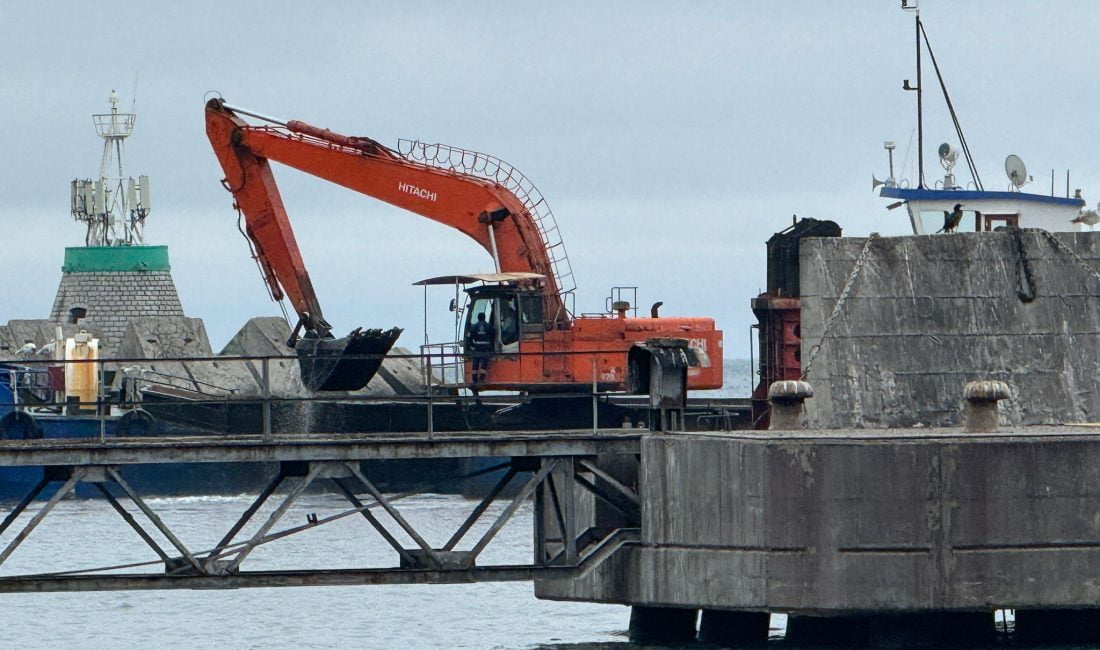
{"x": 479, "y": 346}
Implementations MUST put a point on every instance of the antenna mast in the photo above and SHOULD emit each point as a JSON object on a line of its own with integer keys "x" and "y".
{"x": 915, "y": 8}
{"x": 113, "y": 207}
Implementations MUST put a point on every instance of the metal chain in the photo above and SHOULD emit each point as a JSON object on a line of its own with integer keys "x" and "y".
{"x": 852, "y": 275}
{"x": 1060, "y": 245}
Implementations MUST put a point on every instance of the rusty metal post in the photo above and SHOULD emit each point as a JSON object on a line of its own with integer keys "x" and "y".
{"x": 980, "y": 412}
{"x": 266, "y": 378}
{"x": 787, "y": 399}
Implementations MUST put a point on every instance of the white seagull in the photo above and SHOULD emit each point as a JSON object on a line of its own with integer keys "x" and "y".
{"x": 1088, "y": 217}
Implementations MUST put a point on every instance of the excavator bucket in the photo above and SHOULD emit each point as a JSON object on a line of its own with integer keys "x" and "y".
{"x": 344, "y": 364}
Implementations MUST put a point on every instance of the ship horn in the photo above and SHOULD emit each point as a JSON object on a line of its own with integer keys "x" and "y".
{"x": 875, "y": 182}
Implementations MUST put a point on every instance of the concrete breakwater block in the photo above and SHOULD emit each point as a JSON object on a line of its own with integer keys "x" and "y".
{"x": 40, "y": 332}
{"x": 263, "y": 336}
{"x": 267, "y": 337}
{"x": 164, "y": 337}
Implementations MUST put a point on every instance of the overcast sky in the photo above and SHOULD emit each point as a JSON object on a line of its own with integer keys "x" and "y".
{"x": 670, "y": 139}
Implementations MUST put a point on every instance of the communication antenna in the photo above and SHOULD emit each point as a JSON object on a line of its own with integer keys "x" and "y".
{"x": 889, "y": 146}
{"x": 1016, "y": 171}
{"x": 918, "y": 88}
{"x": 113, "y": 206}
{"x": 133, "y": 97}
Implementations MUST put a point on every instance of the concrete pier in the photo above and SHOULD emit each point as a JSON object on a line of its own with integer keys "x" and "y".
{"x": 888, "y": 532}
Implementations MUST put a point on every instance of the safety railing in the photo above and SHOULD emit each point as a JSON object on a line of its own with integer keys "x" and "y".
{"x": 443, "y": 364}
{"x": 491, "y": 168}
{"x": 418, "y": 394}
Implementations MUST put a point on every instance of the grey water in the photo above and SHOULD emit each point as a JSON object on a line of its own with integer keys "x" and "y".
{"x": 88, "y": 533}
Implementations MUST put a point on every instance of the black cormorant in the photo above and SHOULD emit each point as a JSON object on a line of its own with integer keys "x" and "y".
{"x": 951, "y": 219}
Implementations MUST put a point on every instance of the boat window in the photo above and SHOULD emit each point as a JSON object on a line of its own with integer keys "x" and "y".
{"x": 996, "y": 221}
{"x": 934, "y": 220}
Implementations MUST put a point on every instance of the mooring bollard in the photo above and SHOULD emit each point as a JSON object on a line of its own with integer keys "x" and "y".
{"x": 786, "y": 398}
{"x": 980, "y": 415}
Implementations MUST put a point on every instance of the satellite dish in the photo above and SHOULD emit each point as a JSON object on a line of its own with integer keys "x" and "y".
{"x": 1015, "y": 170}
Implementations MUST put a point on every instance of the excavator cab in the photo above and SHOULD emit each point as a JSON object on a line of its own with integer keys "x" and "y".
{"x": 514, "y": 314}
{"x": 513, "y": 305}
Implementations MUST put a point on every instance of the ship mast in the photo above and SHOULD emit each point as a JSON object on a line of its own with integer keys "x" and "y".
{"x": 915, "y": 8}
{"x": 114, "y": 206}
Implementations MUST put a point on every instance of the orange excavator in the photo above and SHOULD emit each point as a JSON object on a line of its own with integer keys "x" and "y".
{"x": 538, "y": 344}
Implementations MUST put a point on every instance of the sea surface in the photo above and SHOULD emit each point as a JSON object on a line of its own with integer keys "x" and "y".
{"x": 738, "y": 379}
{"x": 88, "y": 533}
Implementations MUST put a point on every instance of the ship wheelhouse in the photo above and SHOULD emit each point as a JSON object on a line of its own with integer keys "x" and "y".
{"x": 984, "y": 210}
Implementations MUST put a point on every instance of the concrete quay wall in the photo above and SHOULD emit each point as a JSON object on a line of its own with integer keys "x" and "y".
{"x": 898, "y": 522}
{"x": 927, "y": 314}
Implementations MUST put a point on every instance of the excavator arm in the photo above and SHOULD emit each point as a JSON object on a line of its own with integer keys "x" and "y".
{"x": 488, "y": 213}
{"x": 327, "y": 364}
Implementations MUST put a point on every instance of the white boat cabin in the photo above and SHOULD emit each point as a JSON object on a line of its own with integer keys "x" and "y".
{"x": 985, "y": 210}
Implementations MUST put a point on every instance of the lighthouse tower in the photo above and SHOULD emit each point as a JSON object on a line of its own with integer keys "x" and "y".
{"x": 115, "y": 277}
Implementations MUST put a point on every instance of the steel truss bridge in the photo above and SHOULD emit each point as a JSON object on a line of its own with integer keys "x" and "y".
{"x": 571, "y": 476}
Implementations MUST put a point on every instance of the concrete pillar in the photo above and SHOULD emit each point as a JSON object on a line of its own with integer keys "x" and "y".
{"x": 728, "y": 628}
{"x": 1058, "y": 626}
{"x": 786, "y": 398}
{"x": 981, "y": 397}
{"x": 659, "y": 625}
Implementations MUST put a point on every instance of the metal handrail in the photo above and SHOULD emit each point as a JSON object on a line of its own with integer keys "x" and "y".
{"x": 442, "y": 363}
{"x": 494, "y": 169}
